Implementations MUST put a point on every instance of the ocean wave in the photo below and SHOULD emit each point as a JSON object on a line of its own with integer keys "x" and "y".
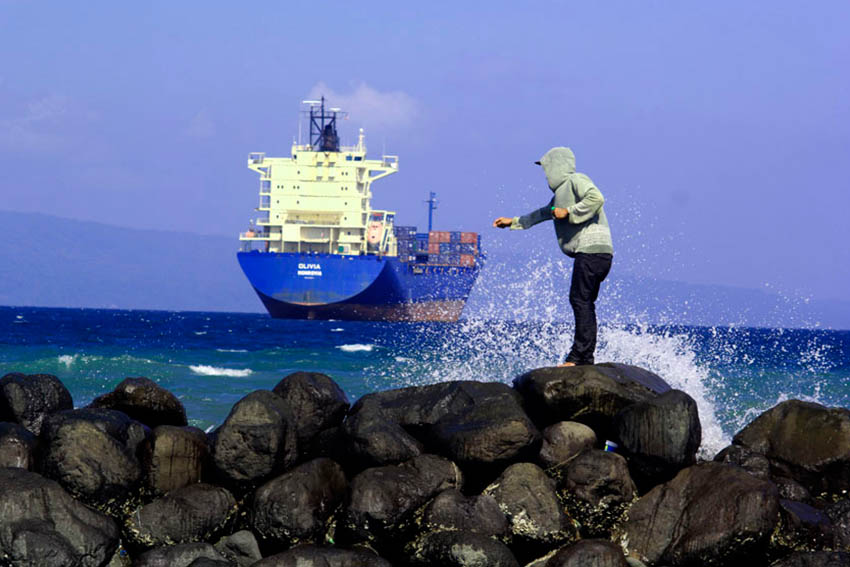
{"x": 356, "y": 348}
{"x": 205, "y": 370}
{"x": 200, "y": 332}
{"x": 70, "y": 359}
{"x": 337, "y": 330}
{"x": 232, "y": 349}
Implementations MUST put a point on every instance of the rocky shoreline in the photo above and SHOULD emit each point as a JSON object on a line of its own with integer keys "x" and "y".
{"x": 452, "y": 474}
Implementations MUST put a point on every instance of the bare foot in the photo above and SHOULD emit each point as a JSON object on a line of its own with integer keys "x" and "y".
{"x": 566, "y": 364}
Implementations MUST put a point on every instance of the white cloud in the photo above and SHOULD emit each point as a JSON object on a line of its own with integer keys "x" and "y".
{"x": 370, "y": 107}
{"x": 38, "y": 127}
{"x": 201, "y": 126}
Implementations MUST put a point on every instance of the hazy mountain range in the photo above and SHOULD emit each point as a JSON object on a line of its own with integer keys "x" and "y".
{"x": 55, "y": 262}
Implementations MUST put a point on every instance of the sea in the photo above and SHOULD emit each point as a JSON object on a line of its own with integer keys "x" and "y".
{"x": 211, "y": 360}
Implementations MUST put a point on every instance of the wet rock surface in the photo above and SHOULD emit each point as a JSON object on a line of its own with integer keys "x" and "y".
{"x": 535, "y": 516}
{"x": 451, "y": 510}
{"x": 588, "y": 553}
{"x": 193, "y": 513}
{"x": 804, "y": 441}
{"x": 145, "y": 401}
{"x": 176, "y": 457}
{"x": 815, "y": 559}
{"x": 40, "y": 524}
{"x": 660, "y": 436}
{"x": 709, "y": 514}
{"x": 592, "y": 395}
{"x": 316, "y": 403}
{"x": 295, "y": 507}
{"x": 564, "y": 440}
{"x": 312, "y": 556}
{"x": 460, "y": 549}
{"x": 240, "y": 548}
{"x": 180, "y": 555}
{"x": 17, "y": 446}
{"x": 256, "y": 441}
{"x": 92, "y": 453}
{"x": 27, "y": 398}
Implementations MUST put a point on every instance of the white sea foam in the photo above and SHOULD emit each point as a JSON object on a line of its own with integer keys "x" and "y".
{"x": 232, "y": 349}
{"x": 356, "y": 348}
{"x": 67, "y": 359}
{"x": 205, "y": 370}
{"x": 200, "y": 332}
{"x": 337, "y": 330}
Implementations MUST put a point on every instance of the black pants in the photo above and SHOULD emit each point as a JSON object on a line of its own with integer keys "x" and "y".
{"x": 588, "y": 272}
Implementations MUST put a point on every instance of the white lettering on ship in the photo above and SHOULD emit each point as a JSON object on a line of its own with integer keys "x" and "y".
{"x": 309, "y": 269}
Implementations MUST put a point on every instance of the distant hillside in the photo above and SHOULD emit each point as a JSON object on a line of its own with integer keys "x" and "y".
{"x": 54, "y": 262}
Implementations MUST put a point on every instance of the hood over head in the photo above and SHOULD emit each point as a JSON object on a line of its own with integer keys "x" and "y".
{"x": 557, "y": 164}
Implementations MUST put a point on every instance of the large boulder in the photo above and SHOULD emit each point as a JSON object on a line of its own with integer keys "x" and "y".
{"x": 93, "y": 453}
{"x": 802, "y": 526}
{"x": 659, "y": 436}
{"x": 256, "y": 441}
{"x": 17, "y": 445}
{"x": 317, "y": 403}
{"x": 591, "y": 394}
{"x": 451, "y": 510}
{"x": 839, "y": 514}
{"x": 588, "y": 553}
{"x": 754, "y": 463}
{"x": 564, "y": 440}
{"x": 40, "y": 524}
{"x": 294, "y": 507}
{"x": 475, "y": 424}
{"x": 177, "y": 457}
{"x": 382, "y": 500}
{"x": 189, "y": 514}
{"x": 27, "y": 398}
{"x": 181, "y": 555}
{"x": 144, "y": 400}
{"x": 709, "y": 514}
{"x": 803, "y": 441}
{"x": 536, "y": 518}
{"x": 460, "y": 549}
{"x": 597, "y": 490}
{"x": 312, "y": 556}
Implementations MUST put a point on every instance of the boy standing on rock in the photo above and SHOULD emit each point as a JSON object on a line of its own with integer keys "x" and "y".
{"x": 583, "y": 234}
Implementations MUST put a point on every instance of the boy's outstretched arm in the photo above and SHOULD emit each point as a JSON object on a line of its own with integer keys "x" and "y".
{"x": 529, "y": 220}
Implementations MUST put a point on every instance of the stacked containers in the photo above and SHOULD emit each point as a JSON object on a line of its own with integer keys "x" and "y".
{"x": 405, "y": 242}
{"x": 451, "y": 248}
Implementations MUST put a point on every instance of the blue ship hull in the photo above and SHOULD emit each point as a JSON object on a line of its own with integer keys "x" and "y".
{"x": 331, "y": 286}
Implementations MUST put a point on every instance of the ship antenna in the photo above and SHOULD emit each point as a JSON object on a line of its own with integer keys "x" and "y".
{"x": 432, "y": 206}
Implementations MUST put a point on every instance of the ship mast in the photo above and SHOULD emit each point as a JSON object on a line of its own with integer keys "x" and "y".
{"x": 432, "y": 206}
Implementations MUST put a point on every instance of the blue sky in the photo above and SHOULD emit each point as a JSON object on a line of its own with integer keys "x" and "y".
{"x": 719, "y": 133}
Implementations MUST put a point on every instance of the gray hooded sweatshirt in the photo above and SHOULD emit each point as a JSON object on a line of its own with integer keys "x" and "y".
{"x": 585, "y": 230}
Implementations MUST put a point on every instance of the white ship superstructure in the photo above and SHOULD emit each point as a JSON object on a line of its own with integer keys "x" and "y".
{"x": 318, "y": 200}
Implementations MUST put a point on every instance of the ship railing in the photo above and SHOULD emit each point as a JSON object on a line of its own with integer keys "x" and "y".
{"x": 254, "y": 235}
{"x": 306, "y": 222}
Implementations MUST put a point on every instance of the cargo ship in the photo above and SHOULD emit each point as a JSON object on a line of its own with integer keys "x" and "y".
{"x": 318, "y": 250}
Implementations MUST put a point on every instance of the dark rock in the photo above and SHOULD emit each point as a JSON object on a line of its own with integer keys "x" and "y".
{"x": 144, "y": 400}
{"x": 312, "y": 556}
{"x": 564, "y": 440}
{"x": 240, "y": 548}
{"x": 460, "y": 549}
{"x": 589, "y": 553}
{"x": 205, "y": 562}
{"x": 93, "y": 454}
{"x": 383, "y": 499}
{"x": 754, "y": 463}
{"x": 839, "y": 514}
{"x": 790, "y": 489}
{"x": 597, "y": 490}
{"x": 535, "y": 516}
{"x": 180, "y": 555}
{"x": 474, "y": 423}
{"x": 17, "y": 445}
{"x": 176, "y": 458}
{"x": 592, "y": 394}
{"x": 804, "y": 441}
{"x": 189, "y": 514}
{"x": 815, "y": 559}
{"x": 256, "y": 441}
{"x": 41, "y": 524}
{"x": 294, "y": 507}
{"x": 659, "y": 436}
{"x": 802, "y": 527}
{"x": 451, "y": 510}
{"x": 316, "y": 401}
{"x": 709, "y": 514}
{"x": 27, "y": 398}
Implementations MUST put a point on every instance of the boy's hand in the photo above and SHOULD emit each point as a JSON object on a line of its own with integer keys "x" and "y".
{"x": 560, "y": 213}
{"x": 503, "y": 222}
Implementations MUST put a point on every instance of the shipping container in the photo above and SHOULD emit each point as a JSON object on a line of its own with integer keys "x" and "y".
{"x": 422, "y": 245}
{"x": 404, "y": 232}
{"x": 438, "y": 236}
{"x": 468, "y": 248}
{"x": 469, "y": 237}
{"x": 467, "y": 260}
{"x": 433, "y": 248}
{"x": 454, "y": 236}
{"x": 453, "y": 259}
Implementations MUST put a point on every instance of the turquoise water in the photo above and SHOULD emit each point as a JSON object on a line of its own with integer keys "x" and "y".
{"x": 211, "y": 360}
